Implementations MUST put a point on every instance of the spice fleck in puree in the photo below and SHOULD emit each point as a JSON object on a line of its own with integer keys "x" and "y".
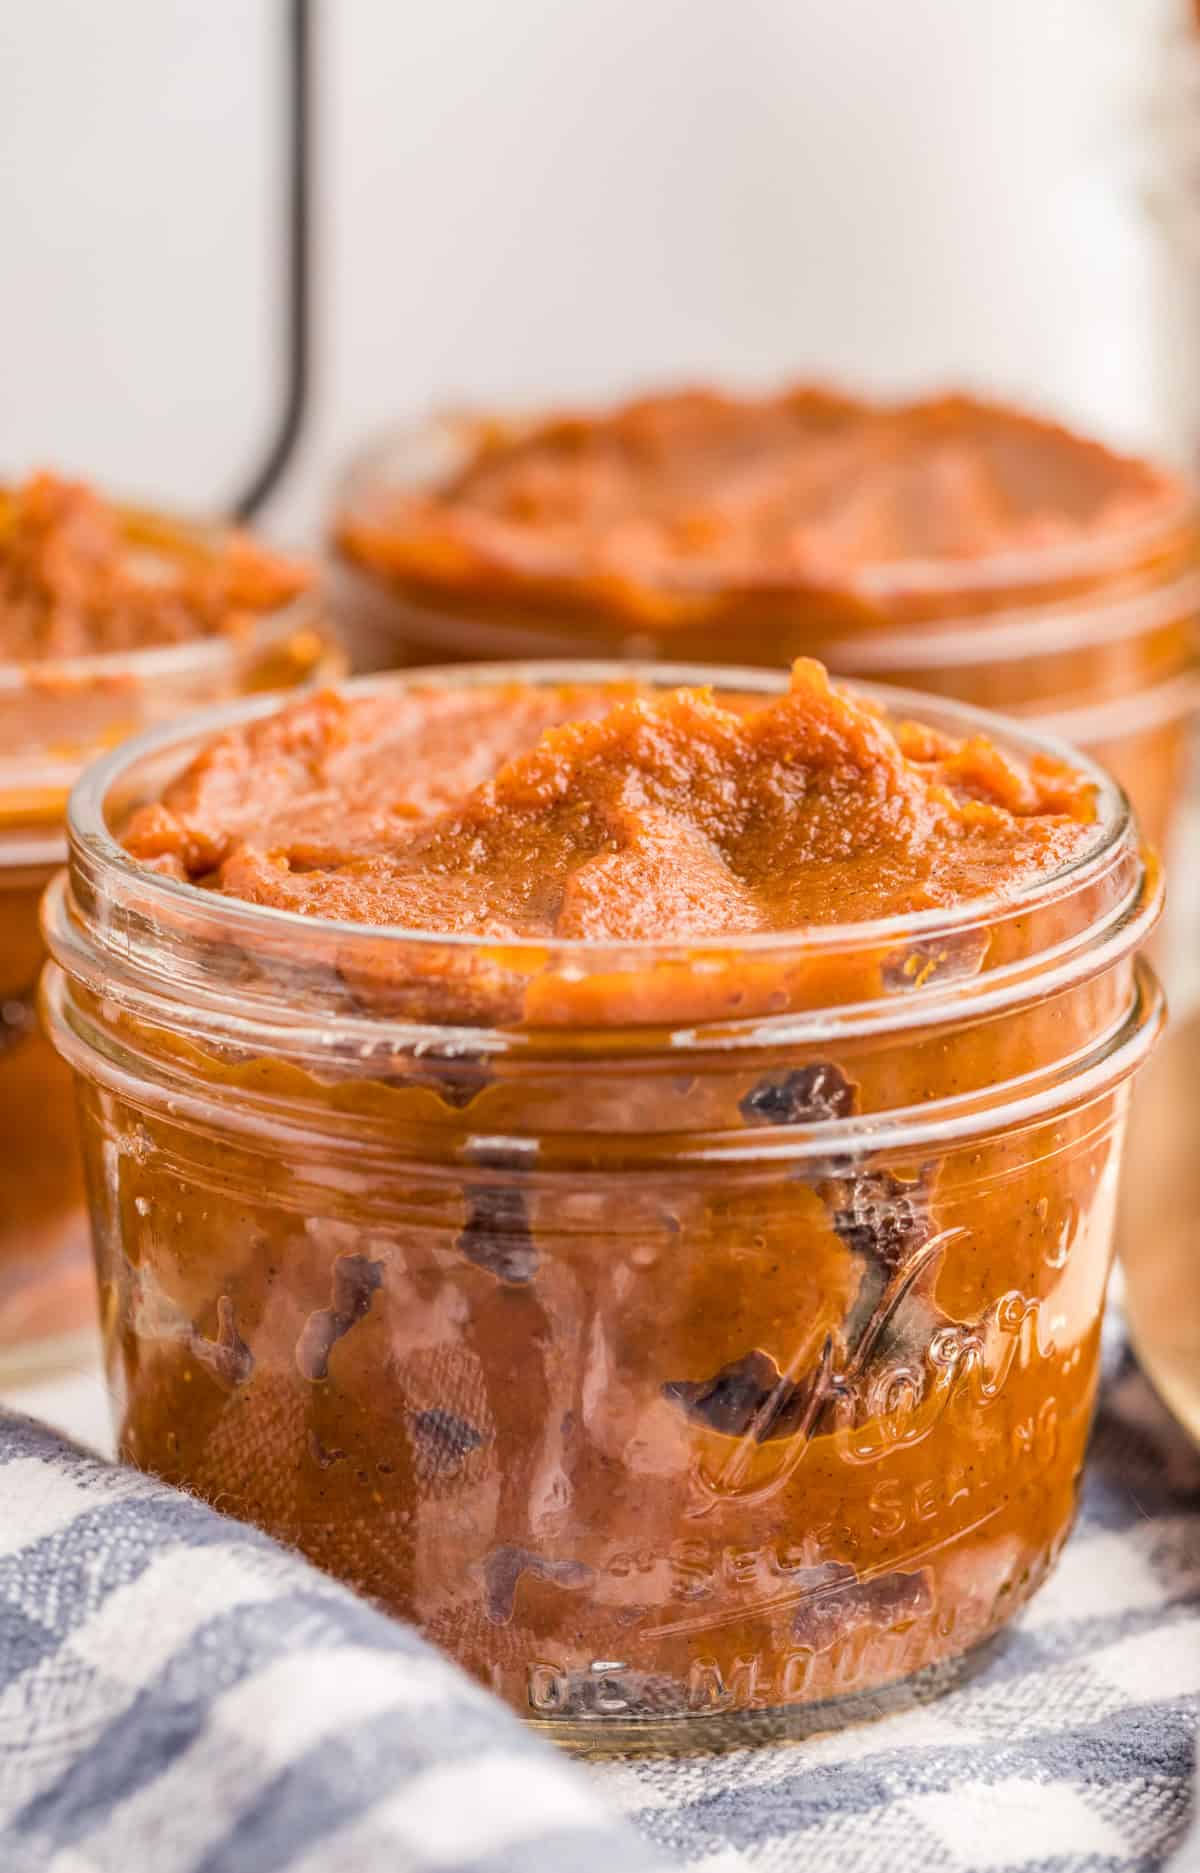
{"x": 669, "y": 1267}
{"x": 85, "y": 588}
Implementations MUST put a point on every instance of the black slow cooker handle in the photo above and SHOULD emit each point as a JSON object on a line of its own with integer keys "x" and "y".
{"x": 295, "y": 262}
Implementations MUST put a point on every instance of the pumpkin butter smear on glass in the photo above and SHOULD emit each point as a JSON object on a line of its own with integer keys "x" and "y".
{"x": 646, "y": 1219}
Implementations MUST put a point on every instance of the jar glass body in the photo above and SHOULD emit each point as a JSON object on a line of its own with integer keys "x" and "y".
{"x": 54, "y": 717}
{"x": 688, "y": 1382}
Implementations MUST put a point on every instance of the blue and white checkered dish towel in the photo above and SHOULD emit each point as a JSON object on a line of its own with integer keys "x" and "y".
{"x": 1071, "y": 1753}
{"x": 177, "y": 1695}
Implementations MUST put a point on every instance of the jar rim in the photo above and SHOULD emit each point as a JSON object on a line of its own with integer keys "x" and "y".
{"x": 162, "y": 661}
{"x": 1022, "y": 572}
{"x": 1082, "y": 725}
{"x": 91, "y": 838}
{"x": 1082, "y": 621}
{"x": 157, "y": 678}
{"x": 956, "y": 1119}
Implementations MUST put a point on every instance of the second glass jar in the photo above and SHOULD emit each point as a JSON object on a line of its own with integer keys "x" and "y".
{"x": 1092, "y": 640}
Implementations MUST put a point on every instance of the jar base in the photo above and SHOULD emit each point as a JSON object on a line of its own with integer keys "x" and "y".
{"x": 710, "y": 1732}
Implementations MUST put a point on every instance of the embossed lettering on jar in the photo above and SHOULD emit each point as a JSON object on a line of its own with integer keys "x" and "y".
{"x": 695, "y": 1338}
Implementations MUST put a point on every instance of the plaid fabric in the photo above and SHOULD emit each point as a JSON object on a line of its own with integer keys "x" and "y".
{"x": 1071, "y": 1752}
{"x": 177, "y": 1695}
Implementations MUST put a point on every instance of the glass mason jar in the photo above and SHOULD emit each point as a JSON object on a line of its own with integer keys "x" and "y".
{"x": 699, "y": 1341}
{"x": 55, "y": 715}
{"x": 1095, "y": 641}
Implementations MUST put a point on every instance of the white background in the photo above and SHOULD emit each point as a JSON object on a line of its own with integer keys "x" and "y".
{"x": 522, "y": 198}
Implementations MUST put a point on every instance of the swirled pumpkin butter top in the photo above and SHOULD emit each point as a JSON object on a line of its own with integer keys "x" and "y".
{"x": 608, "y": 813}
{"x": 80, "y": 577}
{"x": 803, "y": 487}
